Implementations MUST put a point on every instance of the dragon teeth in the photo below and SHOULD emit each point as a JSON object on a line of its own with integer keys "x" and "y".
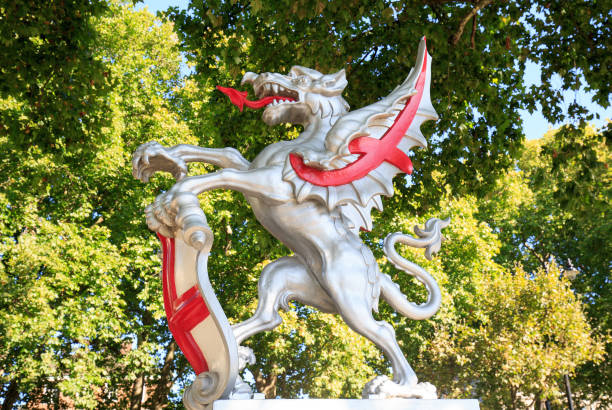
{"x": 281, "y": 101}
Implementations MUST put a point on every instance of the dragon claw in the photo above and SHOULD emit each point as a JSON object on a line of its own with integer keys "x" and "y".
{"x": 161, "y": 212}
{"x": 245, "y": 357}
{"x": 152, "y": 157}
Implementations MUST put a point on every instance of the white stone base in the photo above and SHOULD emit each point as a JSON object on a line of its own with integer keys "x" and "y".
{"x": 342, "y": 404}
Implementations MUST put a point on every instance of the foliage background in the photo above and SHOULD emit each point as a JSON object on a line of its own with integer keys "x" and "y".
{"x": 526, "y": 270}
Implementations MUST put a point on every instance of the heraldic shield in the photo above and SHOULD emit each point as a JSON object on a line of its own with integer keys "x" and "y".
{"x": 196, "y": 318}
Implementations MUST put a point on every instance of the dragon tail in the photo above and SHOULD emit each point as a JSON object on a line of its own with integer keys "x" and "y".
{"x": 429, "y": 238}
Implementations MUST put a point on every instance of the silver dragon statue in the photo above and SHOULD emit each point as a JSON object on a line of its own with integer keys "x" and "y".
{"x": 313, "y": 194}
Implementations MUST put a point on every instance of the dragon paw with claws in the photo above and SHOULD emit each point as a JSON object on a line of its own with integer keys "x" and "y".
{"x": 152, "y": 157}
{"x": 176, "y": 213}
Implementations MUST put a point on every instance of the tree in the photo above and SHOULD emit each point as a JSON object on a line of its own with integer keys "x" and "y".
{"x": 525, "y": 333}
{"x": 50, "y": 82}
{"x": 82, "y": 320}
{"x": 556, "y": 209}
{"x": 51, "y": 91}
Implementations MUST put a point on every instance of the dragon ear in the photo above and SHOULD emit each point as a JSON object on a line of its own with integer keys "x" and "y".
{"x": 336, "y": 82}
{"x": 340, "y": 78}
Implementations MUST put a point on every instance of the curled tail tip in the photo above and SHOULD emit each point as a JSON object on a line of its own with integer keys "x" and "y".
{"x": 429, "y": 237}
{"x": 431, "y": 223}
{"x": 445, "y": 222}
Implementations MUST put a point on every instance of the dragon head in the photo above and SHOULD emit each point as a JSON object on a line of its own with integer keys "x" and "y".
{"x": 313, "y": 95}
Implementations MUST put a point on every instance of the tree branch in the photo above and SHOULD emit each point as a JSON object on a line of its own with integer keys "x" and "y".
{"x": 473, "y": 37}
{"x": 137, "y": 390}
{"x": 267, "y": 385}
{"x": 160, "y": 397}
{"x": 457, "y": 36}
{"x": 536, "y": 254}
{"x": 357, "y": 64}
{"x": 438, "y": 2}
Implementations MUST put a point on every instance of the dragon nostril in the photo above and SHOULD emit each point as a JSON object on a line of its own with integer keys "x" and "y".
{"x": 249, "y": 77}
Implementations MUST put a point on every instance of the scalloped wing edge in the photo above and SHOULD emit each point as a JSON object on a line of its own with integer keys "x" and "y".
{"x": 357, "y": 198}
{"x": 384, "y": 112}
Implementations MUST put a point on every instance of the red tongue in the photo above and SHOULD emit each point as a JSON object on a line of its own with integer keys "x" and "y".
{"x": 239, "y": 98}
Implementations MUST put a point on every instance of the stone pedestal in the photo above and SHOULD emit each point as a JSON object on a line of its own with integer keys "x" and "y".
{"x": 329, "y": 404}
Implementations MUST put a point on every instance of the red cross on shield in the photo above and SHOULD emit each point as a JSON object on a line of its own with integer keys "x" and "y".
{"x": 195, "y": 316}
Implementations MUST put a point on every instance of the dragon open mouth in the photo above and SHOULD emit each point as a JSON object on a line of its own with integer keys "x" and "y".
{"x": 271, "y": 89}
{"x": 279, "y": 93}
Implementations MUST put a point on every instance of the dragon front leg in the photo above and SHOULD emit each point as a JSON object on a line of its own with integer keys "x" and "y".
{"x": 152, "y": 157}
{"x": 264, "y": 183}
{"x": 221, "y": 157}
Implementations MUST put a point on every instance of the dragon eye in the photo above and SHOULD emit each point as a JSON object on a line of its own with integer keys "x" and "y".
{"x": 301, "y": 80}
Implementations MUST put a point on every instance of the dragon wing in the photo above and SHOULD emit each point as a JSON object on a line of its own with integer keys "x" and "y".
{"x": 366, "y": 148}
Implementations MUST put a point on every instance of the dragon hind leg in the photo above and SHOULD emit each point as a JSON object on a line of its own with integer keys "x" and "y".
{"x": 282, "y": 280}
{"x": 358, "y": 316}
{"x": 347, "y": 281}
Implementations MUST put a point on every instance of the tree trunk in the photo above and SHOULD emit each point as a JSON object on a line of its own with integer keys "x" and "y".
{"x": 568, "y": 392}
{"x": 11, "y": 396}
{"x": 139, "y": 383}
{"x": 513, "y": 398}
{"x": 266, "y": 385}
{"x": 540, "y": 404}
{"x": 136, "y": 396}
{"x": 56, "y": 399}
{"x": 160, "y": 397}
